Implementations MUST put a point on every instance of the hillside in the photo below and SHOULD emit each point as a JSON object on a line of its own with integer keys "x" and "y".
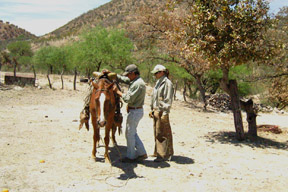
{"x": 9, "y": 31}
{"x": 114, "y": 13}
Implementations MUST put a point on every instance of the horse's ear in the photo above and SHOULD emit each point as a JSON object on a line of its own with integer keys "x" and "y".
{"x": 95, "y": 85}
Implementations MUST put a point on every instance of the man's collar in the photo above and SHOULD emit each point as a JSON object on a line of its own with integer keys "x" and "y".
{"x": 137, "y": 77}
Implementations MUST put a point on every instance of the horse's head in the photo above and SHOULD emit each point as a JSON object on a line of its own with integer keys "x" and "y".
{"x": 104, "y": 101}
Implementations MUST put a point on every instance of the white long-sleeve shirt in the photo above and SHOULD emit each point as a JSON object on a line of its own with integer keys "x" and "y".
{"x": 162, "y": 96}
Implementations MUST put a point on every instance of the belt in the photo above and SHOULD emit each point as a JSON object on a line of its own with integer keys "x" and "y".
{"x": 135, "y": 107}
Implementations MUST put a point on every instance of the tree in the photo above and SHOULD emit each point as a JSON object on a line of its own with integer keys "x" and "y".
{"x": 102, "y": 48}
{"x": 1, "y": 62}
{"x": 163, "y": 28}
{"x": 71, "y": 59}
{"x": 120, "y": 50}
{"x": 20, "y": 54}
{"x": 279, "y": 89}
{"x": 59, "y": 58}
{"x": 227, "y": 34}
{"x": 50, "y": 59}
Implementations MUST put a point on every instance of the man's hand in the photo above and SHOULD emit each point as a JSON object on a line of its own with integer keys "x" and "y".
{"x": 117, "y": 91}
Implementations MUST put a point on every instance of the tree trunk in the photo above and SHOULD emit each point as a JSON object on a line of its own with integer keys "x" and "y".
{"x": 235, "y": 105}
{"x": 51, "y": 69}
{"x": 15, "y": 67}
{"x": 184, "y": 91}
{"x": 202, "y": 90}
{"x": 251, "y": 117}
{"x": 75, "y": 76}
{"x": 34, "y": 72}
{"x": 99, "y": 66}
{"x": 88, "y": 72}
{"x": 190, "y": 90}
{"x": 175, "y": 90}
{"x": 0, "y": 71}
{"x": 62, "y": 78}
{"x": 50, "y": 85}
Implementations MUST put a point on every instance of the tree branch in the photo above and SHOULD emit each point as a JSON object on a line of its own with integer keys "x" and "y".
{"x": 266, "y": 77}
{"x": 164, "y": 59}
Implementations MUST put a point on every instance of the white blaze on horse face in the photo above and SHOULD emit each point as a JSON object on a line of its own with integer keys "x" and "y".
{"x": 102, "y": 100}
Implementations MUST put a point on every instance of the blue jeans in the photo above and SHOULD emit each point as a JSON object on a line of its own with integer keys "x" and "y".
{"x": 135, "y": 146}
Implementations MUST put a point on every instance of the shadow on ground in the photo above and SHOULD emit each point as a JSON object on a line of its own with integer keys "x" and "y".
{"x": 230, "y": 138}
{"x": 128, "y": 168}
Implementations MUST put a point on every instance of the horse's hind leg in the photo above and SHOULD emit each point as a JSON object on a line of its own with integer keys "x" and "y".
{"x": 114, "y": 129}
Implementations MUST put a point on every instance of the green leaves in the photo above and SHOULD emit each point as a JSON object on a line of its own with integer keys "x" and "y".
{"x": 96, "y": 49}
{"x": 19, "y": 49}
{"x": 21, "y": 52}
{"x": 100, "y": 48}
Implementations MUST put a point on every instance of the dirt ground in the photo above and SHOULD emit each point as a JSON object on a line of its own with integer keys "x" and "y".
{"x": 42, "y": 124}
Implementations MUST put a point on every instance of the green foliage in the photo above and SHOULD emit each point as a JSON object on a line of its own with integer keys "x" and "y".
{"x": 120, "y": 51}
{"x": 244, "y": 88}
{"x": 70, "y": 61}
{"x": 19, "y": 49}
{"x": 21, "y": 52}
{"x": 97, "y": 49}
{"x": 239, "y": 73}
{"x": 225, "y": 33}
{"x": 278, "y": 91}
{"x": 25, "y": 62}
{"x": 101, "y": 48}
{"x": 211, "y": 80}
{"x": 49, "y": 58}
{"x": 178, "y": 72}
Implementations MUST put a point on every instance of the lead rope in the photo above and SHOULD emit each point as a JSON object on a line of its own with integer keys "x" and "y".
{"x": 111, "y": 174}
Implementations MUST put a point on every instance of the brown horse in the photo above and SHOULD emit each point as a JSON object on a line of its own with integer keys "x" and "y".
{"x": 102, "y": 108}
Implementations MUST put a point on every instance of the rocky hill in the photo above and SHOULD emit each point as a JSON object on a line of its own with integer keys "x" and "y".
{"x": 115, "y": 13}
{"x": 9, "y": 31}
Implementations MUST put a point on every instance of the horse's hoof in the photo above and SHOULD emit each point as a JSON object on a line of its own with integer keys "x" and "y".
{"x": 93, "y": 158}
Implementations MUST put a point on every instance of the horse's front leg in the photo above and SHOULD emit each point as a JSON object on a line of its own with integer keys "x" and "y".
{"x": 96, "y": 137}
{"x": 106, "y": 140}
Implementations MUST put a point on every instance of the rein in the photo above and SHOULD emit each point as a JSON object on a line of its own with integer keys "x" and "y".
{"x": 101, "y": 90}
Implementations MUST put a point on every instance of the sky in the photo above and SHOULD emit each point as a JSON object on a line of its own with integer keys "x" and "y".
{"x": 40, "y": 17}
